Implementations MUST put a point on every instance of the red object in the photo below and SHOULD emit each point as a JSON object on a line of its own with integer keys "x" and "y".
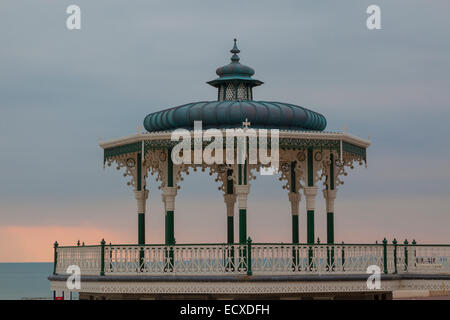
{"x": 59, "y": 298}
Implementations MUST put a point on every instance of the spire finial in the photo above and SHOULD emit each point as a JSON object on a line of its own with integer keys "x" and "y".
{"x": 235, "y": 51}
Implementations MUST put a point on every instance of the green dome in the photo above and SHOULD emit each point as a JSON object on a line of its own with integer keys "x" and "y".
{"x": 231, "y": 114}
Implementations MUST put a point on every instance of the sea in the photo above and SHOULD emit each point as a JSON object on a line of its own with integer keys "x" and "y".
{"x": 25, "y": 281}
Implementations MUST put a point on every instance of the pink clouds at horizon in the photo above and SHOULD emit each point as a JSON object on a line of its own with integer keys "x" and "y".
{"x": 35, "y": 243}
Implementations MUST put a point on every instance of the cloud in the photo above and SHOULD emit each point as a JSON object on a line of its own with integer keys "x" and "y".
{"x": 35, "y": 243}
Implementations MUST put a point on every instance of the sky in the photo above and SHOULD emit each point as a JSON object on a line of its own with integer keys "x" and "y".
{"x": 61, "y": 91}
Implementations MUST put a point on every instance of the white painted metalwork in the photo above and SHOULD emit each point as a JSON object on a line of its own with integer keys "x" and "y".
{"x": 266, "y": 259}
{"x": 88, "y": 258}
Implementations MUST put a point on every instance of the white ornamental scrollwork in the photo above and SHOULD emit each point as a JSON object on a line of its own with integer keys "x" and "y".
{"x": 348, "y": 161}
{"x": 156, "y": 163}
{"x": 127, "y": 161}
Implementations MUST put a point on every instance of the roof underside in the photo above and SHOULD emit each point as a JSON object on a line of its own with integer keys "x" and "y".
{"x": 143, "y": 144}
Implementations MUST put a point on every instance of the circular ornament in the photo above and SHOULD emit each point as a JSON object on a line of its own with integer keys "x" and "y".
{"x": 131, "y": 163}
{"x": 318, "y": 156}
{"x": 301, "y": 156}
{"x": 162, "y": 157}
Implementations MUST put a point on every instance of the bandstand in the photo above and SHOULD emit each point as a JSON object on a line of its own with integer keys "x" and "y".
{"x": 309, "y": 160}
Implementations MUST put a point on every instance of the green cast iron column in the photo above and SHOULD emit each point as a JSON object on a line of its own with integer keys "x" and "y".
{"x": 310, "y": 213}
{"x": 230, "y": 200}
{"x": 295, "y": 230}
{"x": 170, "y": 233}
{"x": 330, "y": 214}
{"x": 242, "y": 190}
{"x": 242, "y": 226}
{"x": 230, "y": 218}
{"x": 230, "y": 229}
{"x": 242, "y": 180}
{"x": 141, "y": 215}
{"x": 170, "y": 238}
{"x": 169, "y": 193}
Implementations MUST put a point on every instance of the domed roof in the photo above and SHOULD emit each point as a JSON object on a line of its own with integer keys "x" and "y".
{"x": 234, "y": 105}
{"x": 231, "y": 114}
{"x": 235, "y": 71}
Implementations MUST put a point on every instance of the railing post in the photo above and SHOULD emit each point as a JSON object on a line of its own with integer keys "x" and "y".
{"x": 394, "y": 242}
{"x": 330, "y": 256}
{"x": 110, "y": 256}
{"x": 249, "y": 256}
{"x": 385, "y": 262}
{"x": 415, "y": 258}
{"x": 102, "y": 257}
{"x": 343, "y": 256}
{"x": 406, "y": 254}
{"x": 55, "y": 256}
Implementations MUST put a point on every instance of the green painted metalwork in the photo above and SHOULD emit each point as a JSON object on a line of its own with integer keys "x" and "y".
{"x": 141, "y": 228}
{"x": 385, "y": 261}
{"x": 55, "y": 256}
{"x": 310, "y": 168}
{"x": 164, "y": 144}
{"x": 330, "y": 227}
{"x": 230, "y": 229}
{"x": 394, "y": 242}
{"x": 293, "y": 178}
{"x": 139, "y": 172}
{"x": 230, "y": 186}
{"x": 298, "y": 143}
{"x": 295, "y": 228}
{"x": 231, "y": 114}
{"x": 119, "y": 150}
{"x": 343, "y": 256}
{"x": 102, "y": 258}
{"x": 245, "y": 172}
{"x": 235, "y": 72}
{"x": 242, "y": 225}
{"x": 169, "y": 221}
{"x": 249, "y": 256}
{"x": 240, "y": 174}
{"x": 310, "y": 226}
{"x": 406, "y": 254}
{"x": 351, "y": 148}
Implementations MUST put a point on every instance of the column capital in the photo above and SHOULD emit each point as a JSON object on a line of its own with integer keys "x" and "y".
{"x": 242, "y": 192}
{"x": 294, "y": 198}
{"x": 141, "y": 194}
{"x": 168, "y": 196}
{"x": 310, "y": 195}
{"x": 328, "y": 193}
{"x": 230, "y": 200}
{"x": 242, "y": 189}
{"x": 169, "y": 191}
{"x": 141, "y": 197}
{"x": 330, "y": 196}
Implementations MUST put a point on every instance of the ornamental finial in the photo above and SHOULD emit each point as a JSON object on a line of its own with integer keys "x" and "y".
{"x": 235, "y": 51}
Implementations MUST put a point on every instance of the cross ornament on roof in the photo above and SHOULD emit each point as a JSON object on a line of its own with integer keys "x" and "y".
{"x": 246, "y": 124}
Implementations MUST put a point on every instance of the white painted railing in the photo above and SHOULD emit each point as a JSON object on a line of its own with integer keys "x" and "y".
{"x": 87, "y": 258}
{"x": 428, "y": 259}
{"x": 253, "y": 259}
{"x": 180, "y": 259}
